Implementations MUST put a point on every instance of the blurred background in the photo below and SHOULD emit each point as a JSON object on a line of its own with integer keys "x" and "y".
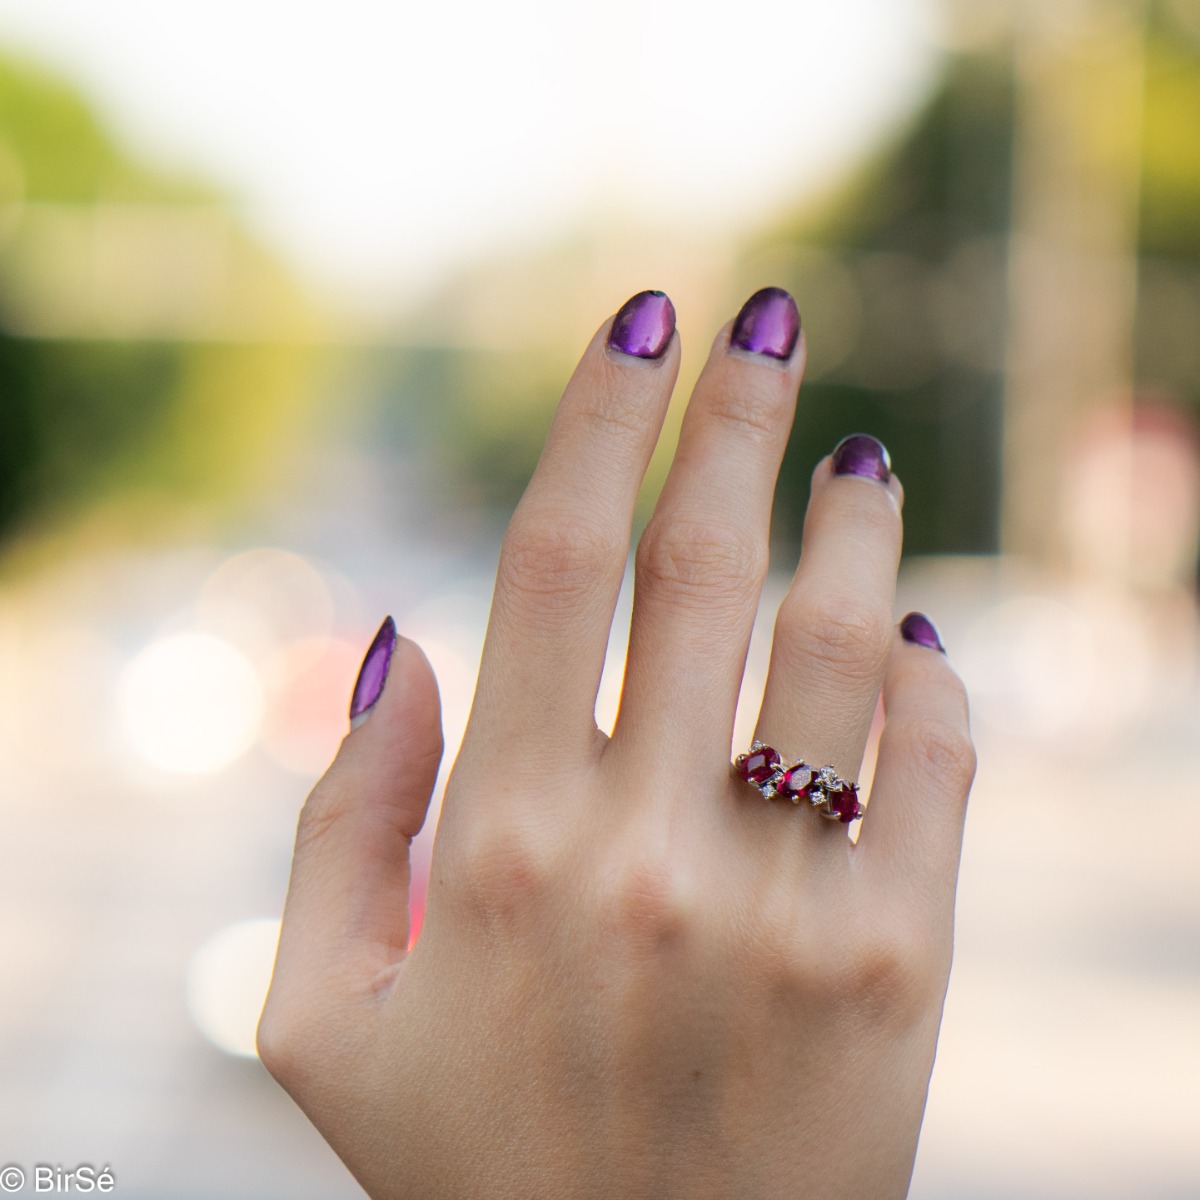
{"x": 287, "y": 296}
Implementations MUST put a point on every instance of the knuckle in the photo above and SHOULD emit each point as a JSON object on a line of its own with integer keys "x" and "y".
{"x": 505, "y": 871}
{"x": 302, "y": 1041}
{"x": 946, "y": 753}
{"x": 616, "y": 411}
{"x": 876, "y": 976}
{"x": 647, "y": 904}
{"x": 687, "y": 561}
{"x": 322, "y": 813}
{"x": 273, "y": 1045}
{"x": 558, "y": 555}
{"x": 838, "y": 631}
{"x": 870, "y": 971}
{"x": 758, "y": 414}
{"x": 885, "y": 974}
{"x": 282, "y": 1041}
{"x": 875, "y": 515}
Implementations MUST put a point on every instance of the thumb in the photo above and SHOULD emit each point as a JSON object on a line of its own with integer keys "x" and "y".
{"x": 348, "y": 905}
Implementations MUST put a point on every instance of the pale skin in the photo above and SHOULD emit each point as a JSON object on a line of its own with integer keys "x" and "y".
{"x": 637, "y": 978}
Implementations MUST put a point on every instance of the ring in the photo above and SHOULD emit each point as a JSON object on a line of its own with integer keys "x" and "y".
{"x": 823, "y": 788}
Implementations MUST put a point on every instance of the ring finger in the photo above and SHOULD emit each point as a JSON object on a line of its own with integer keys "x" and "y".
{"x": 834, "y": 630}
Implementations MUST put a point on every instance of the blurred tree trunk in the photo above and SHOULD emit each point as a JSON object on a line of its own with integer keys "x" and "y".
{"x": 1073, "y": 274}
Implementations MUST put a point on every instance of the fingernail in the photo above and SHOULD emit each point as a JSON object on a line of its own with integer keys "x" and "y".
{"x": 861, "y": 454}
{"x": 373, "y": 673}
{"x": 918, "y": 629}
{"x": 643, "y": 326}
{"x": 768, "y": 324}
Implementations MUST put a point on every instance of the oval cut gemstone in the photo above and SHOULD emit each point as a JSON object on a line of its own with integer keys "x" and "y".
{"x": 759, "y": 765}
{"x": 844, "y": 804}
{"x": 796, "y": 783}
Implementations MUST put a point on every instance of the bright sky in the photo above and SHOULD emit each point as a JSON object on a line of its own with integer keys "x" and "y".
{"x": 382, "y": 143}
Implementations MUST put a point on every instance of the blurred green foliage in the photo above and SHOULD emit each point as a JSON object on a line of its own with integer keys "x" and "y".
{"x": 920, "y": 236}
{"x": 54, "y": 148}
{"x": 117, "y": 386}
{"x": 902, "y": 278}
{"x": 903, "y": 268}
{"x": 1167, "y": 333}
{"x": 71, "y": 413}
{"x": 1170, "y": 192}
{"x": 484, "y": 409}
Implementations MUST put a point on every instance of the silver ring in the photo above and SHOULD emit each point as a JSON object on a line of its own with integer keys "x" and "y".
{"x": 820, "y": 787}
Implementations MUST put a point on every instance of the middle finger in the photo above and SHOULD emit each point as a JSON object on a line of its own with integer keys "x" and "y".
{"x": 703, "y": 555}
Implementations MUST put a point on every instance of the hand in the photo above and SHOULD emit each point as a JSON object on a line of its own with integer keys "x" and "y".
{"x": 637, "y": 977}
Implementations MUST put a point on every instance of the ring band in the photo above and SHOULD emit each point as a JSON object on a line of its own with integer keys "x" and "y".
{"x": 823, "y": 788}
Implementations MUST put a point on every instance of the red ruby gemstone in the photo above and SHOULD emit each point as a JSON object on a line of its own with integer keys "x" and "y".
{"x": 796, "y": 783}
{"x": 759, "y": 765}
{"x": 844, "y": 805}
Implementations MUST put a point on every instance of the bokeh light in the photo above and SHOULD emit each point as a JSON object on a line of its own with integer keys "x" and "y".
{"x": 309, "y": 679}
{"x": 1066, "y": 671}
{"x": 190, "y": 703}
{"x": 227, "y": 982}
{"x": 262, "y": 599}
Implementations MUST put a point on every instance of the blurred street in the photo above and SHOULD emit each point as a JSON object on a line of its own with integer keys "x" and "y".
{"x": 1070, "y": 1056}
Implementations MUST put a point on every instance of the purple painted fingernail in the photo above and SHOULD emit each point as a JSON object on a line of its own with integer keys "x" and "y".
{"x": 861, "y": 454}
{"x": 643, "y": 326}
{"x": 918, "y": 629}
{"x": 768, "y": 324}
{"x": 373, "y": 673}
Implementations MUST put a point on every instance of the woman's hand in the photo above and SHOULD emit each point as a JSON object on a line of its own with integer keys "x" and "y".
{"x": 637, "y": 977}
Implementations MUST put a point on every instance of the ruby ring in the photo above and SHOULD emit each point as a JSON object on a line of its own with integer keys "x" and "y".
{"x": 821, "y": 787}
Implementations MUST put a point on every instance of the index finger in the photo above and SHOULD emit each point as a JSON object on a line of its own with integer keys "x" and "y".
{"x": 564, "y": 555}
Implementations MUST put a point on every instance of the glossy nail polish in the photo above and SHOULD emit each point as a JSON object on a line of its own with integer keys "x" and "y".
{"x": 373, "y": 673}
{"x": 861, "y": 454}
{"x": 918, "y": 629}
{"x": 643, "y": 326}
{"x": 768, "y": 324}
